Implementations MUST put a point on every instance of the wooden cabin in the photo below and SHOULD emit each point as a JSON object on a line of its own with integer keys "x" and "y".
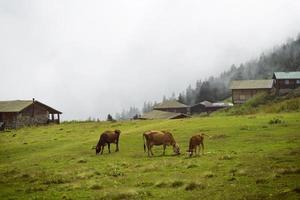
{"x": 172, "y": 106}
{"x": 208, "y": 107}
{"x": 244, "y": 90}
{"x": 200, "y": 107}
{"x": 19, "y": 113}
{"x": 286, "y": 81}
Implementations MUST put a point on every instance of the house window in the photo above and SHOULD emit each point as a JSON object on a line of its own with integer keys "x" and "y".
{"x": 298, "y": 81}
{"x": 286, "y": 82}
{"x": 242, "y": 97}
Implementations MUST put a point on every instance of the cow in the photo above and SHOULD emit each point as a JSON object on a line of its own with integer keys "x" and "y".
{"x": 164, "y": 138}
{"x": 108, "y": 137}
{"x": 196, "y": 141}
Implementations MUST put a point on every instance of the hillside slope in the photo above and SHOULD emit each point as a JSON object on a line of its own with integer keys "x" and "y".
{"x": 266, "y": 103}
{"x": 248, "y": 157}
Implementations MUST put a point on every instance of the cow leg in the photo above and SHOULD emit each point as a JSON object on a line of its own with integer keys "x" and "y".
{"x": 191, "y": 151}
{"x": 148, "y": 149}
{"x": 108, "y": 146}
{"x": 202, "y": 144}
{"x": 102, "y": 148}
{"x": 117, "y": 145}
{"x": 151, "y": 150}
{"x": 198, "y": 149}
{"x": 164, "y": 149}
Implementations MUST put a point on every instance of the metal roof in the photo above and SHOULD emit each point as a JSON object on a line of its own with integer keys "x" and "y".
{"x": 157, "y": 114}
{"x": 286, "y": 75}
{"x": 171, "y": 104}
{"x": 19, "y": 105}
{"x": 252, "y": 84}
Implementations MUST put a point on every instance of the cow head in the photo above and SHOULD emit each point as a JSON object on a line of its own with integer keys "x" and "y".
{"x": 98, "y": 148}
{"x": 117, "y": 131}
{"x": 190, "y": 152}
{"x": 176, "y": 149}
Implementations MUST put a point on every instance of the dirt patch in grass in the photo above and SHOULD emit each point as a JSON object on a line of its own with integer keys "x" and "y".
{"x": 176, "y": 184}
{"x": 82, "y": 161}
{"x": 55, "y": 179}
{"x": 96, "y": 187}
{"x": 161, "y": 184}
{"x": 219, "y": 136}
{"x": 284, "y": 171}
{"x": 115, "y": 172}
{"x": 226, "y": 157}
{"x": 144, "y": 184}
{"x": 261, "y": 181}
{"x": 192, "y": 166}
{"x": 194, "y": 186}
{"x": 208, "y": 174}
{"x": 128, "y": 194}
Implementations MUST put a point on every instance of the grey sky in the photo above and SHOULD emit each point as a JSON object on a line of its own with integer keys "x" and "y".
{"x": 91, "y": 58}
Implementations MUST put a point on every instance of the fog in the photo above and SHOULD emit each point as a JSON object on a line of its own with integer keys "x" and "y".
{"x": 91, "y": 58}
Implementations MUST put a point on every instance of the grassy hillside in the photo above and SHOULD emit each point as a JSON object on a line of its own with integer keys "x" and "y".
{"x": 266, "y": 103}
{"x": 248, "y": 157}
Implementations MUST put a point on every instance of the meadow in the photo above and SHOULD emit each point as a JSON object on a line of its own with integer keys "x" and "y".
{"x": 247, "y": 157}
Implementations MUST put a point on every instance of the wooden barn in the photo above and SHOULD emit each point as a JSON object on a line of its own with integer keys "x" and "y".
{"x": 19, "y": 113}
{"x": 208, "y": 107}
{"x": 172, "y": 106}
{"x": 286, "y": 81}
{"x": 245, "y": 89}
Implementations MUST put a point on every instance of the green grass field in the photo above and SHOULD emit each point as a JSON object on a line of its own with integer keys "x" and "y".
{"x": 248, "y": 157}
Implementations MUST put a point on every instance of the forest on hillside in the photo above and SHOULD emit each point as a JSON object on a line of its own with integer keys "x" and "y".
{"x": 282, "y": 58}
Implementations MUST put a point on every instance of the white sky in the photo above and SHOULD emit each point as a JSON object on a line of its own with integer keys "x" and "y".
{"x": 90, "y": 58}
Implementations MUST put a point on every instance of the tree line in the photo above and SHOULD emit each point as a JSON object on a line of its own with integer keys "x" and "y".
{"x": 281, "y": 58}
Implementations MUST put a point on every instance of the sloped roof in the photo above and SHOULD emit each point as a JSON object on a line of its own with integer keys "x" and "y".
{"x": 19, "y": 105}
{"x": 286, "y": 75}
{"x": 204, "y": 103}
{"x": 220, "y": 104}
{"x": 217, "y": 104}
{"x": 171, "y": 104}
{"x": 252, "y": 84}
{"x": 157, "y": 114}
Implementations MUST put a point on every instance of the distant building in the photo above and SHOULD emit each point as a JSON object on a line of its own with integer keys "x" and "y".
{"x": 208, "y": 107}
{"x": 157, "y": 114}
{"x": 172, "y": 106}
{"x": 286, "y": 81}
{"x": 19, "y": 113}
{"x": 245, "y": 89}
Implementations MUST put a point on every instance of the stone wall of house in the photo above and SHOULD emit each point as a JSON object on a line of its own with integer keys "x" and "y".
{"x": 25, "y": 120}
{"x": 9, "y": 119}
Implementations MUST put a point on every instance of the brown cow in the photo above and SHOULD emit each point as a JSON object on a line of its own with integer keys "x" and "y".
{"x": 196, "y": 141}
{"x": 108, "y": 137}
{"x": 159, "y": 138}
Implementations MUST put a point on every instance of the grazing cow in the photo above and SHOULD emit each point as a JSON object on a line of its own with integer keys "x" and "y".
{"x": 108, "y": 137}
{"x": 159, "y": 138}
{"x": 196, "y": 141}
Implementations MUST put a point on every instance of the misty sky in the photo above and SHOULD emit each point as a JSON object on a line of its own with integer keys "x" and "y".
{"x": 90, "y": 58}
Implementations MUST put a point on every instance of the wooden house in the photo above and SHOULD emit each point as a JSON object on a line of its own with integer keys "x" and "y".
{"x": 208, "y": 107}
{"x": 172, "y": 106}
{"x": 19, "y": 113}
{"x": 286, "y": 81}
{"x": 243, "y": 90}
